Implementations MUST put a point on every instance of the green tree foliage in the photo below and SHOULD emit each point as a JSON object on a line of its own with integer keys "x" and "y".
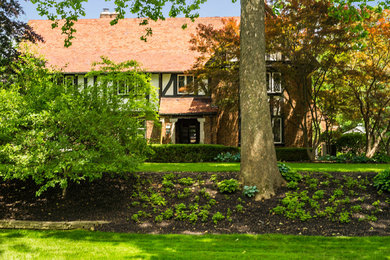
{"x": 54, "y": 131}
{"x": 12, "y": 31}
{"x": 218, "y": 63}
{"x": 364, "y": 81}
{"x": 252, "y": 37}
{"x": 308, "y": 40}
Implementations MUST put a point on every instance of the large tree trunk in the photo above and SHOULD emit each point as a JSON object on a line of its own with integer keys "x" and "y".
{"x": 258, "y": 157}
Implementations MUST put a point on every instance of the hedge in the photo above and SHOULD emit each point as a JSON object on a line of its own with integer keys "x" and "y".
{"x": 178, "y": 153}
{"x": 181, "y": 153}
{"x": 352, "y": 142}
{"x": 291, "y": 154}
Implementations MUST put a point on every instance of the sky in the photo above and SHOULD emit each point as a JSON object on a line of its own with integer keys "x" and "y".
{"x": 93, "y": 9}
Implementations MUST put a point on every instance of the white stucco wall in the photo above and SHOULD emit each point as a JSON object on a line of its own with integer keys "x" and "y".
{"x": 166, "y": 78}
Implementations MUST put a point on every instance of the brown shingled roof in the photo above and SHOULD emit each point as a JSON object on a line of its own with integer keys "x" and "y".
{"x": 166, "y": 51}
{"x": 186, "y": 106}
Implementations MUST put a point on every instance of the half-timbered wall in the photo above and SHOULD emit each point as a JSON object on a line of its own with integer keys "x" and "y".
{"x": 166, "y": 83}
{"x": 222, "y": 128}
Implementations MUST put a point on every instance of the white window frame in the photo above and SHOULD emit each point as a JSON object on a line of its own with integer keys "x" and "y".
{"x": 186, "y": 76}
{"x": 273, "y": 56}
{"x": 272, "y": 83}
{"x": 126, "y": 85}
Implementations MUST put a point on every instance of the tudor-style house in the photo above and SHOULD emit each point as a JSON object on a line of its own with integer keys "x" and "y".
{"x": 185, "y": 117}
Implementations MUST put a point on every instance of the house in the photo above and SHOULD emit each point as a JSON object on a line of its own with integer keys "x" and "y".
{"x": 185, "y": 118}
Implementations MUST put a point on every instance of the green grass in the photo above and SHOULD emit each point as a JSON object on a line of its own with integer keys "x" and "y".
{"x": 231, "y": 167}
{"x": 23, "y": 244}
{"x": 190, "y": 167}
{"x": 339, "y": 167}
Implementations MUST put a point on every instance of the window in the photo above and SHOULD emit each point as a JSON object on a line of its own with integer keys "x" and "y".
{"x": 182, "y": 82}
{"x": 277, "y": 129}
{"x": 70, "y": 82}
{"x": 275, "y": 104}
{"x": 123, "y": 87}
{"x": 273, "y": 56}
{"x": 274, "y": 82}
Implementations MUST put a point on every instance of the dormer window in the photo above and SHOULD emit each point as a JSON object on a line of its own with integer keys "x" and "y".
{"x": 182, "y": 82}
{"x": 274, "y": 82}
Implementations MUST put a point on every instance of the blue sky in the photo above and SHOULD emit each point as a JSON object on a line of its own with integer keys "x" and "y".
{"x": 94, "y": 7}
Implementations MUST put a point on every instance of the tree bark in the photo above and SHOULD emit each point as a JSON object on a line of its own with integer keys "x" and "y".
{"x": 258, "y": 157}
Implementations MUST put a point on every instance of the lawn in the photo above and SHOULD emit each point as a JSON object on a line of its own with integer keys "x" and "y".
{"x": 23, "y": 244}
{"x": 190, "y": 167}
{"x": 229, "y": 167}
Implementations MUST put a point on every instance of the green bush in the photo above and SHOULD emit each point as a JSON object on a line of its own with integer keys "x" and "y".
{"x": 228, "y": 157}
{"x": 353, "y": 158}
{"x": 250, "y": 191}
{"x": 182, "y": 153}
{"x": 380, "y": 158}
{"x": 228, "y": 186}
{"x": 382, "y": 181}
{"x": 353, "y": 143}
{"x": 218, "y": 217}
{"x": 288, "y": 174}
{"x": 54, "y": 133}
{"x": 185, "y": 153}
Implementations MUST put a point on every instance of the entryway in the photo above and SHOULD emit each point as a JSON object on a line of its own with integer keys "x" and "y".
{"x": 187, "y": 131}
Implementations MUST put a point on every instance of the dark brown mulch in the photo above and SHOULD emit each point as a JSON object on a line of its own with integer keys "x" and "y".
{"x": 111, "y": 199}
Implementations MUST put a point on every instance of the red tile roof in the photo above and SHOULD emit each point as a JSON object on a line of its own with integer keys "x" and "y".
{"x": 167, "y": 50}
{"x": 186, "y": 106}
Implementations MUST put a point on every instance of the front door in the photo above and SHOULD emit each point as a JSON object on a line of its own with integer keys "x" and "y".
{"x": 187, "y": 131}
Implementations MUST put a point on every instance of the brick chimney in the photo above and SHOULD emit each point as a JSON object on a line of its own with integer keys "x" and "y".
{"x": 107, "y": 14}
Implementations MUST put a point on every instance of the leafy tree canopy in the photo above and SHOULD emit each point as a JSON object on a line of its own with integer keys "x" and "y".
{"x": 53, "y": 130}
{"x": 12, "y": 31}
{"x": 363, "y": 82}
{"x": 218, "y": 63}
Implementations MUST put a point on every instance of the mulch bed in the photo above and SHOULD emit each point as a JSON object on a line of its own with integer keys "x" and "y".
{"x": 112, "y": 199}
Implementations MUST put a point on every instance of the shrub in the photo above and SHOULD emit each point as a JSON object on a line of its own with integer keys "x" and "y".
{"x": 186, "y": 181}
{"x": 228, "y": 157}
{"x": 291, "y": 154}
{"x": 380, "y": 158}
{"x": 292, "y": 185}
{"x": 218, "y": 217}
{"x": 353, "y": 158}
{"x": 288, "y": 174}
{"x": 228, "y": 186}
{"x": 167, "y": 214}
{"x": 61, "y": 134}
{"x": 176, "y": 153}
{"x": 382, "y": 181}
{"x": 250, "y": 191}
{"x": 353, "y": 142}
{"x": 204, "y": 215}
